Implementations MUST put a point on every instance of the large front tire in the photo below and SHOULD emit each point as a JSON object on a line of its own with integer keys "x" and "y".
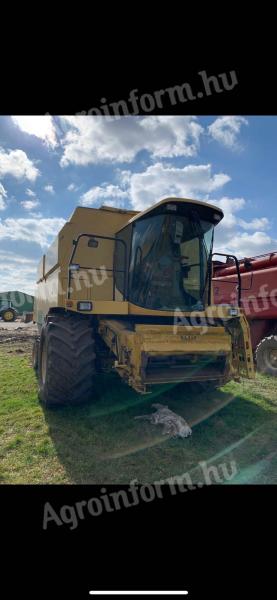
{"x": 266, "y": 355}
{"x": 66, "y": 360}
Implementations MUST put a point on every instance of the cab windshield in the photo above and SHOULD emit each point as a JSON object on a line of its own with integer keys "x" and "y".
{"x": 169, "y": 262}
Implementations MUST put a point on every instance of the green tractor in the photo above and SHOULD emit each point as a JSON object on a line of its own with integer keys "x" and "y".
{"x": 7, "y": 312}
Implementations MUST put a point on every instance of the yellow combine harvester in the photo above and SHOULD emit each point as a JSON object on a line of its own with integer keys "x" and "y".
{"x": 132, "y": 292}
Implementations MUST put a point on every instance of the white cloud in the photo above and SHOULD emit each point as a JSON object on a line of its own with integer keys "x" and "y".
{"x": 156, "y": 182}
{"x": 30, "y": 193}
{"x": 230, "y": 207}
{"x": 3, "y": 196}
{"x": 245, "y": 244}
{"x": 29, "y": 204}
{"x": 226, "y": 130}
{"x": 230, "y": 235}
{"x": 49, "y": 188}
{"x": 40, "y": 126}
{"x": 159, "y": 181}
{"x": 9, "y": 256}
{"x": 72, "y": 187}
{"x": 91, "y": 139}
{"x": 17, "y": 164}
{"x": 40, "y": 231}
{"x": 104, "y": 194}
{"x": 258, "y": 224}
{"x": 17, "y": 272}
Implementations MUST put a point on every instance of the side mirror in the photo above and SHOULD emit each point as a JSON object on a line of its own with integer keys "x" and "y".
{"x": 92, "y": 243}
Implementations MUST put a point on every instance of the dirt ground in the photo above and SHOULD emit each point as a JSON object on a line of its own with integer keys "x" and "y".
{"x": 17, "y": 337}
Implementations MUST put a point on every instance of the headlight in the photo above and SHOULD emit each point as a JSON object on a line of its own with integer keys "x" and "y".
{"x": 84, "y": 305}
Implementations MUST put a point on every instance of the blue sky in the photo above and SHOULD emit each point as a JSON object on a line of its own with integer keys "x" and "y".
{"x": 49, "y": 165}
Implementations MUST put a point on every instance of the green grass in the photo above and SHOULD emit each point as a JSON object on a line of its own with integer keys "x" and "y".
{"x": 102, "y": 443}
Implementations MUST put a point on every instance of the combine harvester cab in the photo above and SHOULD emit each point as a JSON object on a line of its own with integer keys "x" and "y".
{"x": 258, "y": 281}
{"x": 132, "y": 292}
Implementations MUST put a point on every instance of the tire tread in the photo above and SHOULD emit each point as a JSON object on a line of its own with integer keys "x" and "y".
{"x": 70, "y": 360}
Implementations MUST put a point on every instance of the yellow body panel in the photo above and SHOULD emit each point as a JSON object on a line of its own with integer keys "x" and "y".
{"x": 53, "y": 268}
{"x": 136, "y": 346}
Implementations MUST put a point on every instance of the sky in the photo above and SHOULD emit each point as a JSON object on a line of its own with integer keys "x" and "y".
{"x": 49, "y": 165}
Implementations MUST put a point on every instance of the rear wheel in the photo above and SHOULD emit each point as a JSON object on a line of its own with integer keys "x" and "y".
{"x": 8, "y": 315}
{"x": 66, "y": 361}
{"x": 266, "y": 355}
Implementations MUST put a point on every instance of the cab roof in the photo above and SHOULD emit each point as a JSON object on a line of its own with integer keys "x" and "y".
{"x": 177, "y": 200}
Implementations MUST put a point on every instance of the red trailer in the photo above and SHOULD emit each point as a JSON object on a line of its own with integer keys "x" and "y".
{"x": 255, "y": 281}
